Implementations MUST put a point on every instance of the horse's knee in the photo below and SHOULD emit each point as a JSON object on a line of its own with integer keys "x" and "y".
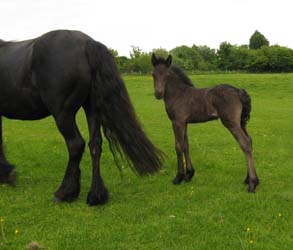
{"x": 95, "y": 146}
{"x": 76, "y": 147}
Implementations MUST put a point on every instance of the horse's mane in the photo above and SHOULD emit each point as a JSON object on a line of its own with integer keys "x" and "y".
{"x": 182, "y": 76}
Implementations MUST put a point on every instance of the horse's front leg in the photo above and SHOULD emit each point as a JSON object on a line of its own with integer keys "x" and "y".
{"x": 7, "y": 173}
{"x": 179, "y": 130}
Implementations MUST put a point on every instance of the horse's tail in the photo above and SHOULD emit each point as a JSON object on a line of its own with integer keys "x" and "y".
{"x": 246, "y": 107}
{"x": 119, "y": 122}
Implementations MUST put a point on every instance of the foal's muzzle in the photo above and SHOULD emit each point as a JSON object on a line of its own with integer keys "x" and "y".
{"x": 158, "y": 95}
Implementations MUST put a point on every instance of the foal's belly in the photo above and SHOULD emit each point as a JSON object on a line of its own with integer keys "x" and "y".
{"x": 203, "y": 113}
{"x": 200, "y": 119}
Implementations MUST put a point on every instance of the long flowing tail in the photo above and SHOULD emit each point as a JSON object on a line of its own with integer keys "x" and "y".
{"x": 246, "y": 107}
{"x": 120, "y": 125}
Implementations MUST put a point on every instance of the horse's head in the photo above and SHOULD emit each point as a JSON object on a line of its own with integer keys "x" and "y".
{"x": 160, "y": 74}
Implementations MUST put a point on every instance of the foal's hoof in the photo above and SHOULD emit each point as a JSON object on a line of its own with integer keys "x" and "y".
{"x": 251, "y": 188}
{"x": 9, "y": 178}
{"x": 246, "y": 181}
{"x": 97, "y": 198}
{"x": 252, "y": 185}
{"x": 256, "y": 181}
{"x": 189, "y": 174}
{"x": 178, "y": 179}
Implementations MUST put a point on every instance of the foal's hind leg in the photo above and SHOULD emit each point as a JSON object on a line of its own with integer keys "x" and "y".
{"x": 70, "y": 186}
{"x": 7, "y": 173}
{"x": 189, "y": 167}
{"x": 179, "y": 130}
{"x": 98, "y": 193}
{"x": 245, "y": 143}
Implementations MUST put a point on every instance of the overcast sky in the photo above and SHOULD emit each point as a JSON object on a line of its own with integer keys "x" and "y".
{"x": 151, "y": 23}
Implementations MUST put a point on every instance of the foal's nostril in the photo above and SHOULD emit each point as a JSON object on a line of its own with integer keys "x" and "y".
{"x": 158, "y": 95}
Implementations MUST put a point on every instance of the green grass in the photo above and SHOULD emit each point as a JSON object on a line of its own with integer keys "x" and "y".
{"x": 211, "y": 212}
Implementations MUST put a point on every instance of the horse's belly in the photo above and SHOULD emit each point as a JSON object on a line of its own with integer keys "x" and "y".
{"x": 23, "y": 107}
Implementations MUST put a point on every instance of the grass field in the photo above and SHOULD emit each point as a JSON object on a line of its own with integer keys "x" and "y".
{"x": 214, "y": 211}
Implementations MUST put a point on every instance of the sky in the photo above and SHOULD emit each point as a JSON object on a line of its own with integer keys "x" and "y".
{"x": 151, "y": 24}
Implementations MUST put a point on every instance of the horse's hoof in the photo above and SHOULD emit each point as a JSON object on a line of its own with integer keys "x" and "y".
{"x": 9, "y": 179}
{"x": 12, "y": 178}
{"x": 99, "y": 198}
{"x": 68, "y": 196}
{"x": 178, "y": 179}
{"x": 189, "y": 174}
{"x": 56, "y": 200}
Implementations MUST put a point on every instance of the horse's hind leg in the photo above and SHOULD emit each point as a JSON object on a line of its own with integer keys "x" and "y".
{"x": 7, "y": 173}
{"x": 245, "y": 144}
{"x": 179, "y": 130}
{"x": 98, "y": 193}
{"x": 189, "y": 167}
{"x": 70, "y": 186}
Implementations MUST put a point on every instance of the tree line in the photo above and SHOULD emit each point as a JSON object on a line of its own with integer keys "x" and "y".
{"x": 258, "y": 56}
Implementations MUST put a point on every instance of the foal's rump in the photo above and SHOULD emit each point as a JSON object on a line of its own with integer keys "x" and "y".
{"x": 231, "y": 103}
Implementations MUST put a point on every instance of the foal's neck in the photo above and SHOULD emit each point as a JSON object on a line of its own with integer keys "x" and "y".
{"x": 175, "y": 88}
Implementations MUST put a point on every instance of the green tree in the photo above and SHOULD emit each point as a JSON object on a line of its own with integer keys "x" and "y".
{"x": 208, "y": 55}
{"x": 123, "y": 64}
{"x": 161, "y": 52}
{"x": 113, "y": 52}
{"x": 257, "y": 40}
{"x": 140, "y": 62}
{"x": 280, "y": 59}
{"x": 224, "y": 54}
{"x": 259, "y": 61}
{"x": 187, "y": 58}
{"x": 136, "y": 52}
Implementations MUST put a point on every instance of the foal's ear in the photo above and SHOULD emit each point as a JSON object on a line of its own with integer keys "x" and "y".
{"x": 154, "y": 60}
{"x": 169, "y": 61}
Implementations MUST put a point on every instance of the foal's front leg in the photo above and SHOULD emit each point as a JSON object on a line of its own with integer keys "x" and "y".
{"x": 189, "y": 167}
{"x": 179, "y": 130}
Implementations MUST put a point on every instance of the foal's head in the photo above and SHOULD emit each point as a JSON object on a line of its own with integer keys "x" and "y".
{"x": 160, "y": 74}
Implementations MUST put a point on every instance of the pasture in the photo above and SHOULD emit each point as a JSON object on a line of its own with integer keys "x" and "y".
{"x": 213, "y": 211}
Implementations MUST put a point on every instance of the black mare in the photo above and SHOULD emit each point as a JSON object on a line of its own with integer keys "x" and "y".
{"x": 57, "y": 74}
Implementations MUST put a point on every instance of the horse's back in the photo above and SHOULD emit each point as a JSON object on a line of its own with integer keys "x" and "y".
{"x": 61, "y": 69}
{"x": 39, "y": 76}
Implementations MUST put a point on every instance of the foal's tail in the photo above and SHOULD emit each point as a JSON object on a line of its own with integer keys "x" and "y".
{"x": 246, "y": 107}
{"x": 120, "y": 124}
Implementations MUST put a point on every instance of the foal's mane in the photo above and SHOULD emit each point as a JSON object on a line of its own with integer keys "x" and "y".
{"x": 176, "y": 70}
{"x": 182, "y": 76}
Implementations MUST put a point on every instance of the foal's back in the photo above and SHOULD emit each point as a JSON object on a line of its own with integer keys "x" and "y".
{"x": 206, "y": 104}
